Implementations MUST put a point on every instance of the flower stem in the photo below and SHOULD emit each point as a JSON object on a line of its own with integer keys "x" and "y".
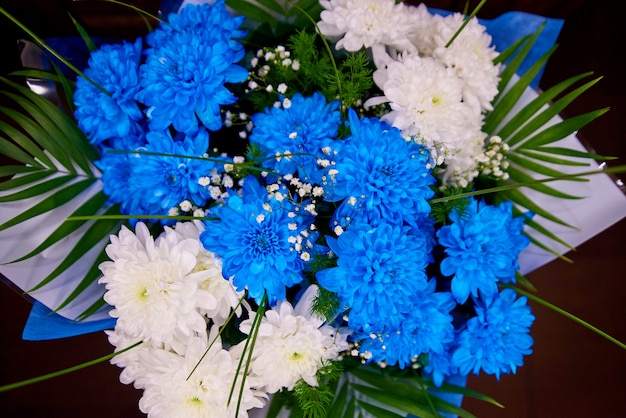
{"x": 64, "y": 371}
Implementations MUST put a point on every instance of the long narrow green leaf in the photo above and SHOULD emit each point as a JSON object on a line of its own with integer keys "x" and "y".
{"x": 92, "y": 236}
{"x": 36, "y": 73}
{"x": 386, "y": 397}
{"x": 91, "y": 206}
{"x": 68, "y": 91}
{"x": 96, "y": 233}
{"x": 516, "y": 196}
{"x": 521, "y": 177}
{"x": 51, "y": 202}
{"x": 509, "y": 99}
{"x": 569, "y": 315}
{"x": 562, "y": 129}
{"x": 548, "y": 113}
{"x": 60, "y": 119}
{"x": 532, "y": 153}
{"x": 92, "y": 275}
{"x": 37, "y": 189}
{"x": 377, "y": 411}
{"x": 573, "y": 153}
{"x": 538, "y": 168}
{"x": 462, "y": 390}
{"x": 549, "y": 249}
{"x": 83, "y": 34}
{"x": 543, "y": 230}
{"x": 14, "y": 152}
{"x": 10, "y": 170}
{"x": 24, "y": 180}
{"x": 543, "y": 99}
{"x": 339, "y": 401}
{"x": 515, "y": 62}
{"x": 38, "y": 133}
{"x": 69, "y": 151}
{"x": 95, "y": 307}
{"x": 522, "y": 280}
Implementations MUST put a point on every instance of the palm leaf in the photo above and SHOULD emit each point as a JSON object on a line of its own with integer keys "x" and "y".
{"x": 58, "y": 170}
{"x": 530, "y": 129}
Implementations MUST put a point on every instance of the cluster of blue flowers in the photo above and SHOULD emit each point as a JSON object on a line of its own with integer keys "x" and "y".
{"x": 371, "y": 189}
{"x": 161, "y": 100}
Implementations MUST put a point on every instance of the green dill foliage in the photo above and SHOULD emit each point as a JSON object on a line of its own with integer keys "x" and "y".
{"x": 326, "y": 304}
{"x": 441, "y": 210}
{"x": 313, "y": 401}
{"x": 353, "y": 81}
{"x": 315, "y": 69}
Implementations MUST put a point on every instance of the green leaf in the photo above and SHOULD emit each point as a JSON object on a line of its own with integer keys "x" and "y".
{"x": 75, "y": 137}
{"x": 14, "y": 152}
{"x": 37, "y": 189}
{"x": 95, "y": 307}
{"x": 522, "y": 280}
{"x": 507, "y": 101}
{"x": 23, "y": 180}
{"x": 549, "y": 249}
{"x": 547, "y": 114}
{"x": 571, "y": 153}
{"x": 40, "y": 134}
{"x": 543, "y": 230}
{"x": 543, "y": 99}
{"x": 516, "y": 196}
{"x": 377, "y": 411}
{"x": 83, "y": 34}
{"x": 99, "y": 229}
{"x": 521, "y": 177}
{"x": 53, "y": 201}
{"x": 36, "y": 73}
{"x": 549, "y": 158}
{"x": 562, "y": 129}
{"x": 95, "y": 234}
{"x": 386, "y": 397}
{"x": 90, "y": 207}
{"x": 518, "y": 53}
{"x": 533, "y": 166}
{"x": 10, "y": 170}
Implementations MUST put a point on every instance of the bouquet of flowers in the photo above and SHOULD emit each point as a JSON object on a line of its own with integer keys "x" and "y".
{"x": 329, "y": 217}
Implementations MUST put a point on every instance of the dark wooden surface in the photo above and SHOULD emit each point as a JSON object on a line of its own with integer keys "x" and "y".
{"x": 572, "y": 373}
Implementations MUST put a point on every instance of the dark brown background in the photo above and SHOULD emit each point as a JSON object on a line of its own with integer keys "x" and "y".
{"x": 572, "y": 373}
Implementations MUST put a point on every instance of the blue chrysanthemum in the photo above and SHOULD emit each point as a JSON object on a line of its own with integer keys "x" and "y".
{"x": 482, "y": 246}
{"x": 256, "y": 236}
{"x": 307, "y": 126}
{"x": 380, "y": 175}
{"x": 497, "y": 339}
{"x": 183, "y": 79}
{"x": 426, "y": 327}
{"x": 102, "y": 116}
{"x": 379, "y": 271}
{"x": 205, "y": 20}
{"x": 159, "y": 183}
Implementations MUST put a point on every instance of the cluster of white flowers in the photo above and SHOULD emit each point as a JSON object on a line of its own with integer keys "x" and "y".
{"x": 436, "y": 90}
{"x": 169, "y": 296}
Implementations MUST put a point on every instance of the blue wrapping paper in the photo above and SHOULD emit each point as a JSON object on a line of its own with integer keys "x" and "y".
{"x": 43, "y": 324}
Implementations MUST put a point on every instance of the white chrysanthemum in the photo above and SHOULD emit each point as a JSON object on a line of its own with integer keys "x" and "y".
{"x": 172, "y": 390}
{"x": 133, "y": 370}
{"x": 364, "y": 23}
{"x": 290, "y": 347}
{"x": 471, "y": 55}
{"x": 426, "y": 98}
{"x": 220, "y": 295}
{"x": 153, "y": 288}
